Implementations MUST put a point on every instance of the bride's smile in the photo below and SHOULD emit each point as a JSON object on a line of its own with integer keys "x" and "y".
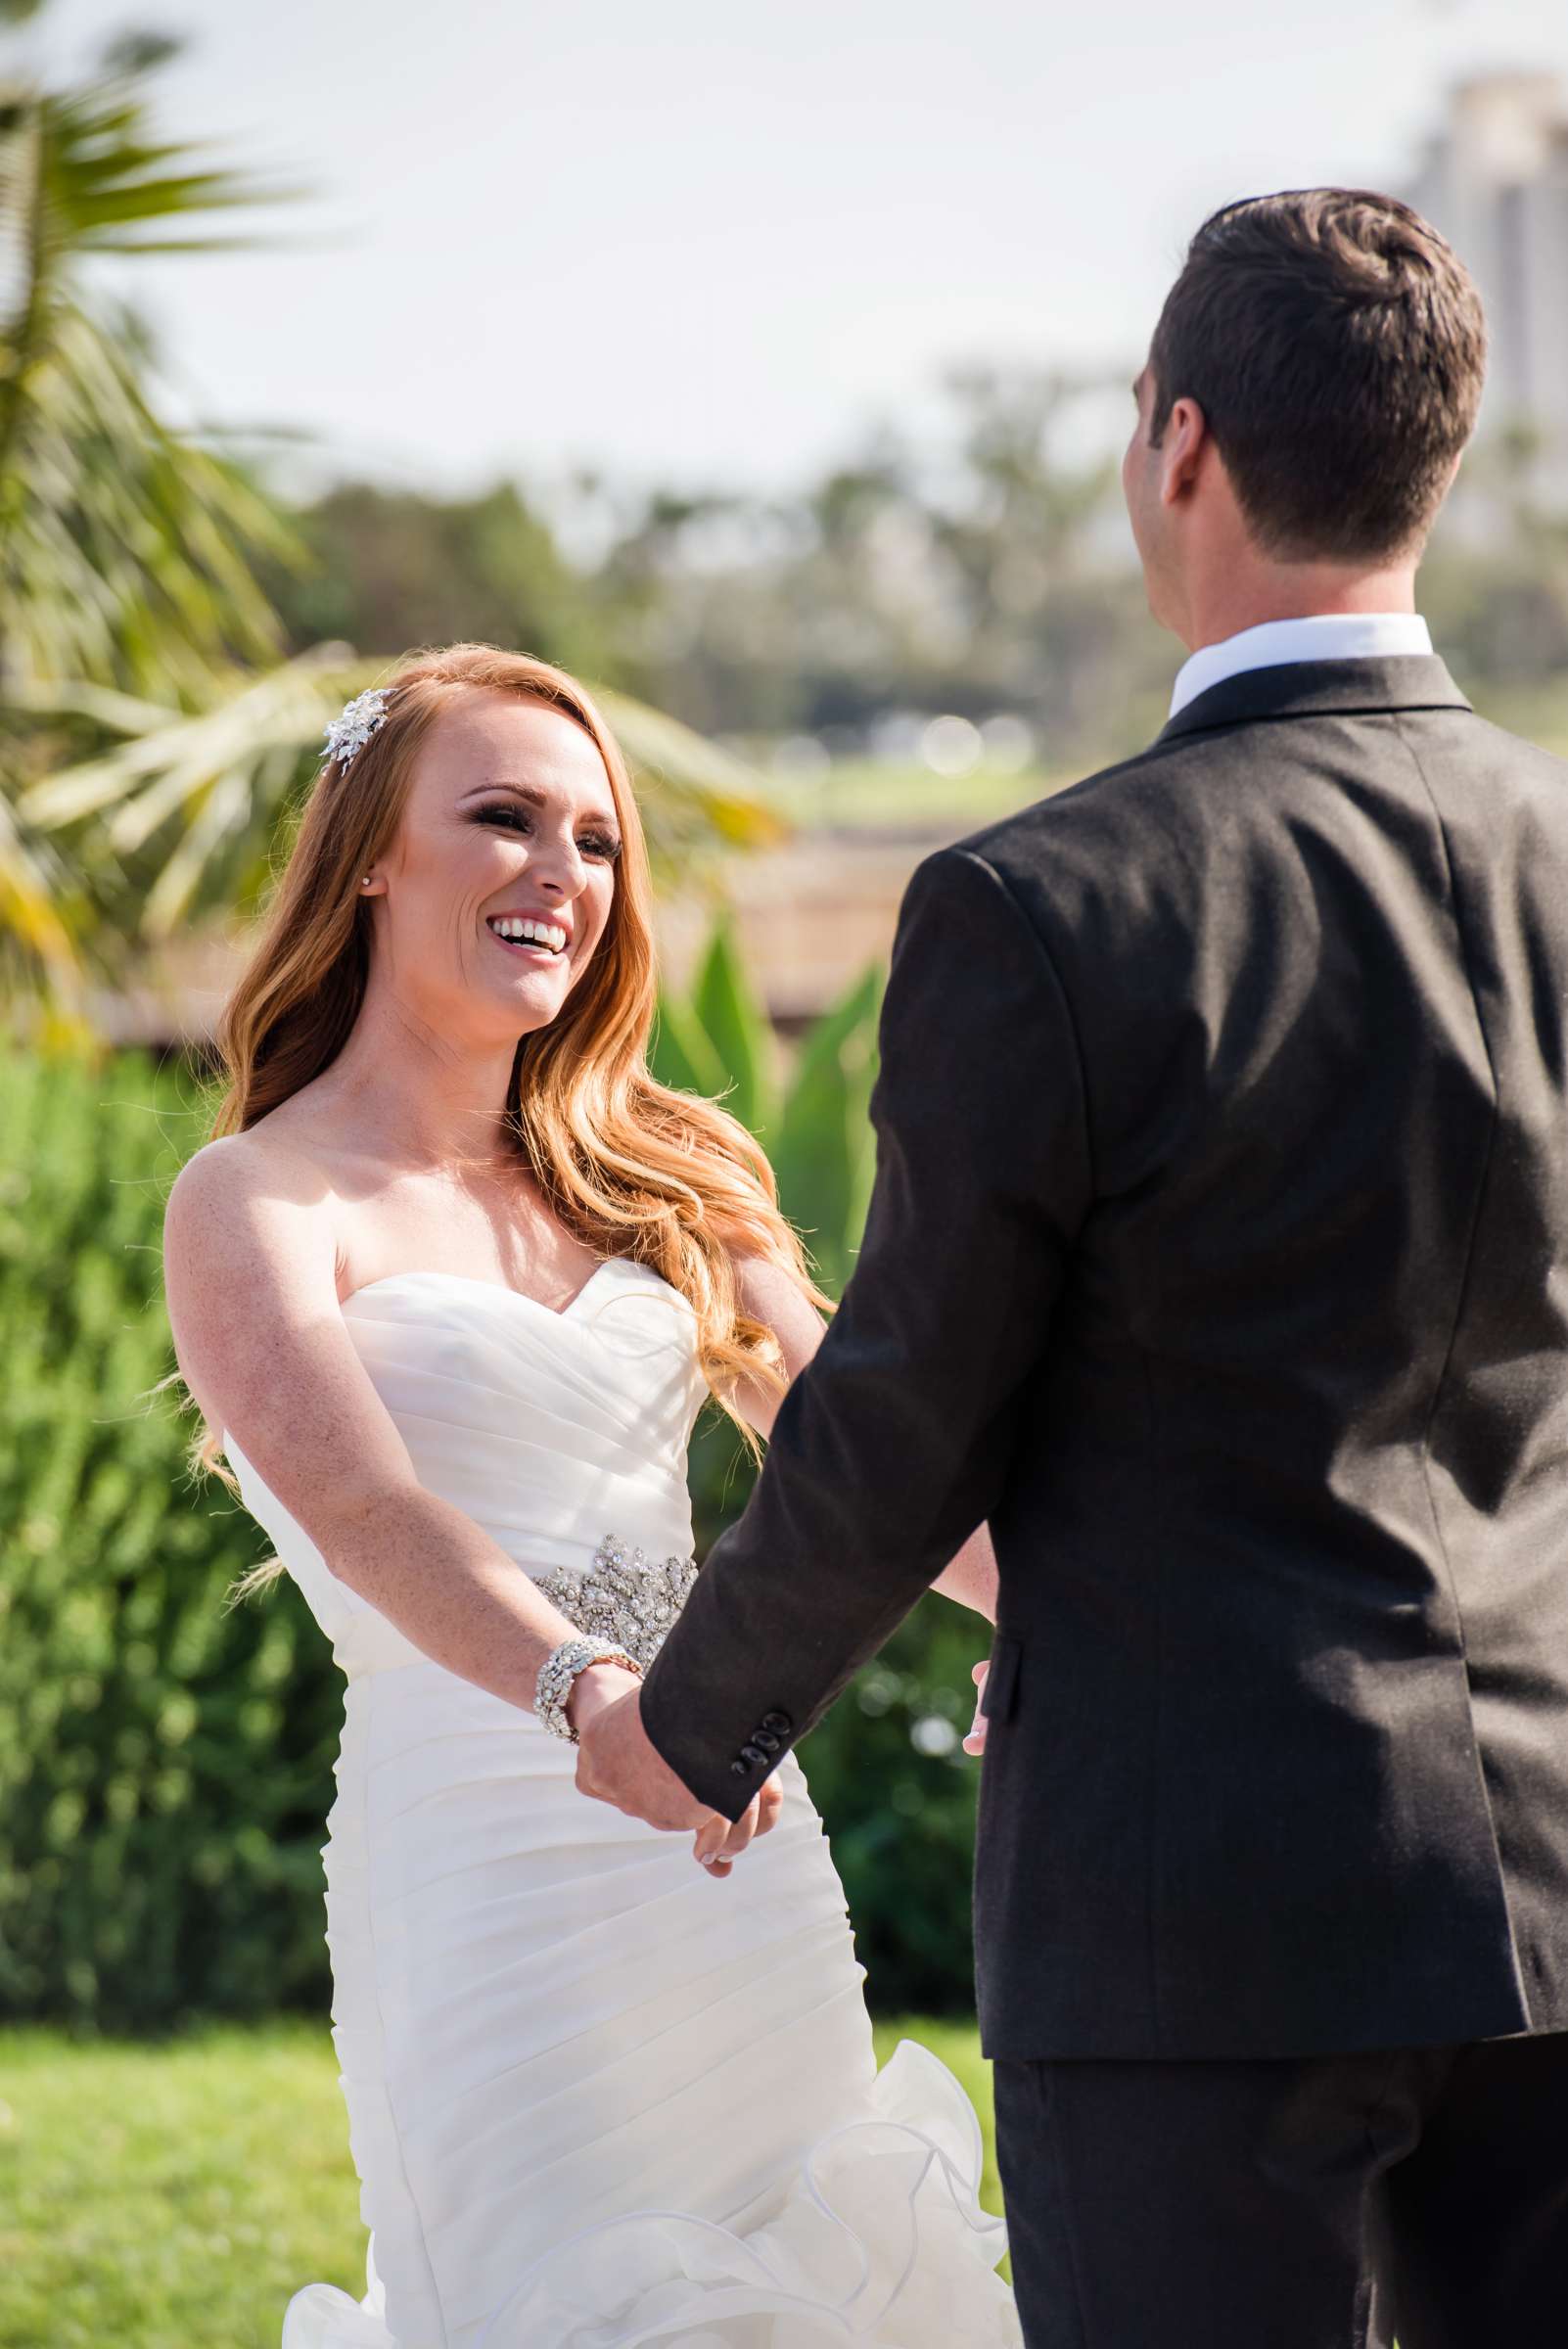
{"x": 528, "y": 934}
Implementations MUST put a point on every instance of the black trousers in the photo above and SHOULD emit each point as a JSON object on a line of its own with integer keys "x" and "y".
{"x": 1327, "y": 2203}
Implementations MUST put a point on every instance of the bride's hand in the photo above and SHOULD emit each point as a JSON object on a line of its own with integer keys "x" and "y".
{"x": 596, "y": 1690}
{"x": 975, "y": 1742}
{"x": 719, "y": 1844}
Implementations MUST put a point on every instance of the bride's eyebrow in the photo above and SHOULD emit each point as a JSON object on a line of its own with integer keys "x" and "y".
{"x": 525, "y": 791}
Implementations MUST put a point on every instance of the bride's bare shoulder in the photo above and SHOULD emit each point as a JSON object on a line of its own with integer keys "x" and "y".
{"x": 244, "y": 1206}
{"x": 269, "y": 1157}
{"x": 250, "y": 1272}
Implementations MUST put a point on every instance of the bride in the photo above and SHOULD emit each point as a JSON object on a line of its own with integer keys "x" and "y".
{"x": 448, "y": 1288}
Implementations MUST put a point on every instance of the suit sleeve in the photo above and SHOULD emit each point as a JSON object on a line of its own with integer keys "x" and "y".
{"x": 893, "y": 1443}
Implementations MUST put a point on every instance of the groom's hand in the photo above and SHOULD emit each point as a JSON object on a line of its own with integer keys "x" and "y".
{"x": 720, "y": 1843}
{"x": 617, "y": 1762}
{"x": 975, "y": 1742}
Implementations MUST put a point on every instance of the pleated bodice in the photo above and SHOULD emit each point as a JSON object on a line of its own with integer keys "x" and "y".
{"x": 551, "y": 1430}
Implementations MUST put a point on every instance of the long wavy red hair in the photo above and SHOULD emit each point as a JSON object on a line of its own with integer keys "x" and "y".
{"x": 630, "y": 1167}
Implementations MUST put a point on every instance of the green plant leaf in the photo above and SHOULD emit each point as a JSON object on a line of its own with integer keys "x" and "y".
{"x": 738, "y": 1029}
{"x": 825, "y": 1145}
{"x": 680, "y": 1053}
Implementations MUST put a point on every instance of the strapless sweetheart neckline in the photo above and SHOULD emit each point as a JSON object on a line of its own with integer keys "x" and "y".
{"x": 501, "y": 1288}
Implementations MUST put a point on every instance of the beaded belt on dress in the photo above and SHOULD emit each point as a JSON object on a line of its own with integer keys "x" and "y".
{"x": 623, "y": 1596}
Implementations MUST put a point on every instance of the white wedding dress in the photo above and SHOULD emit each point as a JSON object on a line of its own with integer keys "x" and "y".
{"x": 596, "y": 2096}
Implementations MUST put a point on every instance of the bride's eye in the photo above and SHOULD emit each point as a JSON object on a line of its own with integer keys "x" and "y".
{"x": 513, "y": 818}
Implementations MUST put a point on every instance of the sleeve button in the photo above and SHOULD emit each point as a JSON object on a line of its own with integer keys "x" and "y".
{"x": 780, "y": 1721}
{"x": 753, "y": 1754}
{"x": 768, "y": 1741}
{"x": 740, "y": 1770}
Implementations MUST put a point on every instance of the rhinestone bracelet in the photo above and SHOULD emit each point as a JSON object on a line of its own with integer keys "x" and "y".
{"x": 558, "y": 1676}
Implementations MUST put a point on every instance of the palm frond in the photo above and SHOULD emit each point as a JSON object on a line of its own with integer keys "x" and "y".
{"x": 28, "y": 903}
{"x": 184, "y": 800}
{"x": 688, "y": 785}
{"x": 128, "y": 552}
{"x": 105, "y": 180}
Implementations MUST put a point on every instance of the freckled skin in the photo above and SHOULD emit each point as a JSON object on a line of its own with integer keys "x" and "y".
{"x": 468, "y": 847}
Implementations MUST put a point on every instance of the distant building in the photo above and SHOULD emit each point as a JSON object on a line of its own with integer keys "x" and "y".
{"x": 1494, "y": 180}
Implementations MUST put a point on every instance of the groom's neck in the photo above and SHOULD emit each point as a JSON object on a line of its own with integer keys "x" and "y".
{"x": 1247, "y": 590}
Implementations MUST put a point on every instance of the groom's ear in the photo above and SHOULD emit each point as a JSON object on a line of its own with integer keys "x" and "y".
{"x": 1184, "y": 446}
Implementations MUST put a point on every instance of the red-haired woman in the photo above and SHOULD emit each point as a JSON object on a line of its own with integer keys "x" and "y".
{"x": 448, "y": 1287}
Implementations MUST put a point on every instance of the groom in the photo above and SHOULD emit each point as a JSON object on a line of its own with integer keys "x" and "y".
{"x": 1218, "y": 1258}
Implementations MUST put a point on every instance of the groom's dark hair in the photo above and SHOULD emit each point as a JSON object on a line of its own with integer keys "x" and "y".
{"x": 1336, "y": 346}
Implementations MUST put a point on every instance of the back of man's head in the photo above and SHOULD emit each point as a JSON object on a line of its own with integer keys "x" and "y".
{"x": 1336, "y": 346}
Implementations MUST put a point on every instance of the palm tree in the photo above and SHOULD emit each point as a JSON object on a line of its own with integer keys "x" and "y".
{"x": 125, "y": 549}
{"x": 150, "y": 729}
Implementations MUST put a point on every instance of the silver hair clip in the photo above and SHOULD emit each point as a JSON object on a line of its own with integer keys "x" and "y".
{"x": 353, "y": 730}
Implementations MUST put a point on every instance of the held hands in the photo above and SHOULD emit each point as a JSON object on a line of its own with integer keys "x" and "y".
{"x": 618, "y": 1764}
{"x": 975, "y": 1742}
{"x": 719, "y": 1844}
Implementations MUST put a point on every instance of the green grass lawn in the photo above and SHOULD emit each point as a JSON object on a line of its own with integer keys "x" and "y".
{"x": 173, "y": 2197}
{"x": 859, "y": 797}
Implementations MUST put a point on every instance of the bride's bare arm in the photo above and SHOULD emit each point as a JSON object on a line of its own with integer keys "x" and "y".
{"x": 251, "y": 1278}
{"x": 770, "y": 1295}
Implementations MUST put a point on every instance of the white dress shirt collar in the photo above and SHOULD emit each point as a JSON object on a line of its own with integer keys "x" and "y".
{"x": 1325, "y": 637}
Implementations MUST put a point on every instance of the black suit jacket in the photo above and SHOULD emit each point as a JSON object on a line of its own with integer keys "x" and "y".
{"x": 1219, "y": 1256}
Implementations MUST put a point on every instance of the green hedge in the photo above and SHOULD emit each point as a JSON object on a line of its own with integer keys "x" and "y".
{"x": 166, "y": 1762}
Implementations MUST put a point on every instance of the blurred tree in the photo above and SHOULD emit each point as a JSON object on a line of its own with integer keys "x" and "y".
{"x": 127, "y": 550}
{"x": 990, "y": 571}
{"x": 1494, "y": 586}
{"x": 395, "y": 569}
{"x": 1053, "y": 618}
{"x": 150, "y": 729}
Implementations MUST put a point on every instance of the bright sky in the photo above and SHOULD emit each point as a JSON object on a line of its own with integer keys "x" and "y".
{"x": 712, "y": 243}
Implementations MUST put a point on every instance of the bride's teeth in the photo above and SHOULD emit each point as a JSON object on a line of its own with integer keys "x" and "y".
{"x": 536, "y": 933}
